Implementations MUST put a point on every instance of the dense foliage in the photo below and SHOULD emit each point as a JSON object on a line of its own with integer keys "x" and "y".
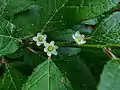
{"x": 91, "y": 64}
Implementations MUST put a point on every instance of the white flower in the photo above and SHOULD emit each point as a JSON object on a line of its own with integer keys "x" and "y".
{"x": 79, "y": 39}
{"x": 40, "y": 39}
{"x": 50, "y": 48}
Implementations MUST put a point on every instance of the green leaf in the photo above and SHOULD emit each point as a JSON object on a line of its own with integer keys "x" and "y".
{"x": 108, "y": 31}
{"x": 32, "y": 59}
{"x": 38, "y": 16}
{"x": 28, "y": 22}
{"x": 2, "y": 6}
{"x": 15, "y": 55}
{"x": 69, "y": 51}
{"x": 12, "y": 79}
{"x": 77, "y": 71}
{"x": 8, "y": 44}
{"x": 95, "y": 60}
{"x": 65, "y": 35}
{"x": 15, "y": 6}
{"x": 93, "y": 55}
{"x": 110, "y": 77}
{"x": 54, "y": 15}
{"x": 47, "y": 77}
{"x": 46, "y": 16}
{"x": 92, "y": 8}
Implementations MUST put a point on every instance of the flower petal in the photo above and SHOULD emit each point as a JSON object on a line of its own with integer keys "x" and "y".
{"x": 46, "y": 44}
{"x": 35, "y": 38}
{"x": 54, "y": 52}
{"x": 77, "y": 34}
{"x": 38, "y": 43}
{"x": 73, "y": 36}
{"x": 45, "y": 36}
{"x": 82, "y": 36}
{"x": 45, "y": 50}
{"x": 49, "y": 53}
{"x": 56, "y": 47}
{"x": 82, "y": 42}
{"x": 79, "y": 38}
{"x": 52, "y": 42}
{"x": 39, "y": 34}
{"x": 78, "y": 42}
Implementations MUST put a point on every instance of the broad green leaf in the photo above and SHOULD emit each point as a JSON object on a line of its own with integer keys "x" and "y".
{"x": 15, "y": 6}
{"x": 32, "y": 59}
{"x": 110, "y": 77}
{"x": 22, "y": 67}
{"x": 12, "y": 79}
{"x": 79, "y": 10}
{"x": 95, "y": 60}
{"x": 15, "y": 55}
{"x": 93, "y": 55}
{"x": 69, "y": 51}
{"x": 46, "y": 16}
{"x": 92, "y": 8}
{"x": 28, "y": 22}
{"x": 8, "y": 44}
{"x": 52, "y": 15}
{"x": 64, "y": 35}
{"x": 38, "y": 16}
{"x": 3, "y": 4}
{"x": 108, "y": 31}
{"x": 77, "y": 71}
{"x": 47, "y": 77}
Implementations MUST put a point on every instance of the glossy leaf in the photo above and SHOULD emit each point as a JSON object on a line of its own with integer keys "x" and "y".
{"x": 47, "y": 77}
{"x": 65, "y": 35}
{"x": 93, "y": 8}
{"x": 107, "y": 32}
{"x": 8, "y": 44}
{"x": 77, "y": 71}
{"x": 16, "y": 6}
{"x": 3, "y": 4}
{"x": 38, "y": 16}
{"x": 110, "y": 77}
{"x": 32, "y": 59}
{"x": 69, "y": 51}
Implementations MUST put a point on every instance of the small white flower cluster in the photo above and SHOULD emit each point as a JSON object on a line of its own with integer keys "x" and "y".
{"x": 50, "y": 48}
{"x": 79, "y": 38}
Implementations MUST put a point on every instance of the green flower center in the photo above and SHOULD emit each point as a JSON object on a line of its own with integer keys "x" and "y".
{"x": 78, "y": 38}
{"x": 40, "y": 39}
{"x": 50, "y": 48}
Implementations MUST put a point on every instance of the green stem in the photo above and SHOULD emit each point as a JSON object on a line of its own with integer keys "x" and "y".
{"x": 67, "y": 44}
